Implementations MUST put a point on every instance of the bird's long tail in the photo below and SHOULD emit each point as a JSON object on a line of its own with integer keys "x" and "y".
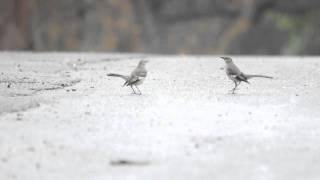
{"x": 119, "y": 75}
{"x": 249, "y": 76}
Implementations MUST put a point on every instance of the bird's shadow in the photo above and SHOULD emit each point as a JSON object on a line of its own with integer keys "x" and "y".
{"x": 239, "y": 94}
{"x": 134, "y": 95}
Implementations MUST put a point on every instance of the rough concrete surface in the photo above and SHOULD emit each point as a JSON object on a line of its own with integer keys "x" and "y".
{"x": 62, "y": 118}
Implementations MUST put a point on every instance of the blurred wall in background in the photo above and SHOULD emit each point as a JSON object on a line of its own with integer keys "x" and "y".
{"x": 162, "y": 26}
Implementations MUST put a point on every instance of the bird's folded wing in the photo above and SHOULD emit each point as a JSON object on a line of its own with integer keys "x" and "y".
{"x": 233, "y": 72}
{"x": 242, "y": 77}
{"x": 141, "y": 73}
{"x": 132, "y": 80}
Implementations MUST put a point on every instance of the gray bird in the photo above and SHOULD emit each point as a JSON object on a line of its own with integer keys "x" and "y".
{"x": 136, "y": 77}
{"x": 234, "y": 73}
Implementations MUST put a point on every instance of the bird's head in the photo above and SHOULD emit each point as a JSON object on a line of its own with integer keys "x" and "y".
{"x": 227, "y": 59}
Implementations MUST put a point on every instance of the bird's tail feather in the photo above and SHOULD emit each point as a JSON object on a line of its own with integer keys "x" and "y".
{"x": 256, "y": 75}
{"x": 119, "y": 75}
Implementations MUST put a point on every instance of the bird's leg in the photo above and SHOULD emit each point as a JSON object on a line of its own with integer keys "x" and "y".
{"x": 235, "y": 86}
{"x": 233, "y": 89}
{"x": 134, "y": 92}
{"x": 138, "y": 89}
{"x": 239, "y": 82}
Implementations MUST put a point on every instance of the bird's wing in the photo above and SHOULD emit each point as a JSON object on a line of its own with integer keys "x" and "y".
{"x": 132, "y": 80}
{"x": 139, "y": 72}
{"x": 142, "y": 73}
{"x": 233, "y": 70}
{"x": 242, "y": 77}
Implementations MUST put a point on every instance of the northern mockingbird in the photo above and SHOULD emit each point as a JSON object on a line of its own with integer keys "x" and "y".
{"x": 234, "y": 73}
{"x": 136, "y": 77}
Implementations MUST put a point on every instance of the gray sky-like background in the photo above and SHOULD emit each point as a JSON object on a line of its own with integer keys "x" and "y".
{"x": 265, "y": 27}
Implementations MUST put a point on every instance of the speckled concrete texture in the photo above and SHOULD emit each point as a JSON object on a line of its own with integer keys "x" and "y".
{"x": 61, "y": 117}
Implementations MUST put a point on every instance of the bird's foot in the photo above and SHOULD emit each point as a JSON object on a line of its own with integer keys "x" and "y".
{"x": 232, "y": 91}
{"x": 134, "y": 93}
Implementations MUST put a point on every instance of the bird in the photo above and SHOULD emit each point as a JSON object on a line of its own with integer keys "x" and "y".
{"x": 136, "y": 77}
{"x": 234, "y": 74}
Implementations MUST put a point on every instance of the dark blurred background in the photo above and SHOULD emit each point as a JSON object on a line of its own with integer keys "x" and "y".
{"x": 162, "y": 26}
